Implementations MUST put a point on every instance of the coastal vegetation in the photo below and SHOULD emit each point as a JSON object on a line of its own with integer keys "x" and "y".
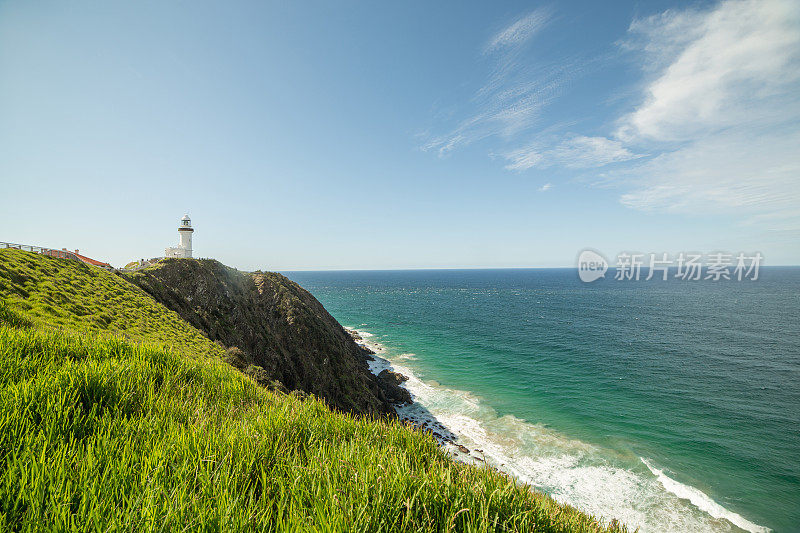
{"x": 272, "y": 325}
{"x": 135, "y": 421}
{"x": 63, "y": 294}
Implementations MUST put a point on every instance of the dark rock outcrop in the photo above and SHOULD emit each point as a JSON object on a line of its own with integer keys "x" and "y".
{"x": 390, "y": 381}
{"x": 275, "y": 331}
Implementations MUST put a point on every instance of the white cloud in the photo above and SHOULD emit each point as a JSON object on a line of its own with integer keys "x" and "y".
{"x": 523, "y": 158}
{"x": 723, "y": 107}
{"x": 495, "y": 117}
{"x": 515, "y": 91}
{"x": 546, "y": 187}
{"x": 575, "y": 152}
{"x": 717, "y": 112}
{"x": 737, "y": 63}
{"x": 520, "y": 31}
{"x": 584, "y": 152}
{"x": 730, "y": 173}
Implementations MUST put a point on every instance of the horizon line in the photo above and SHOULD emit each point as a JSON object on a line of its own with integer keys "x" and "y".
{"x": 643, "y": 268}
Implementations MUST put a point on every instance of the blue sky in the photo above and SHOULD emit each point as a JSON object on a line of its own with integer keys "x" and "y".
{"x": 315, "y": 135}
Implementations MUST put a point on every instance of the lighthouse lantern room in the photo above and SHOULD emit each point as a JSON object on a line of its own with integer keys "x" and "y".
{"x": 184, "y": 248}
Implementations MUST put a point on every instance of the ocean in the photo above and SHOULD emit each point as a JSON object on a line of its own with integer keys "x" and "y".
{"x": 669, "y": 405}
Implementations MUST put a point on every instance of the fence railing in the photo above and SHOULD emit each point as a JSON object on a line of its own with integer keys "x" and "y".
{"x": 64, "y": 254}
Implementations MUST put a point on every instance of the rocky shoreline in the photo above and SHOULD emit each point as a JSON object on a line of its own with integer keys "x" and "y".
{"x": 400, "y": 397}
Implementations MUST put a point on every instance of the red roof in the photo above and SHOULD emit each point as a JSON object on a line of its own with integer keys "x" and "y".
{"x": 91, "y": 261}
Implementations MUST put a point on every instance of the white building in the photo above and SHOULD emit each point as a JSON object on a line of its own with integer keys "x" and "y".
{"x": 184, "y": 248}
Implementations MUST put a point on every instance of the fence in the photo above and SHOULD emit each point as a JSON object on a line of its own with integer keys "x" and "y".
{"x": 64, "y": 254}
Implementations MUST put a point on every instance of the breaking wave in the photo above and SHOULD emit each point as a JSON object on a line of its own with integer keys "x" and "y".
{"x": 599, "y": 481}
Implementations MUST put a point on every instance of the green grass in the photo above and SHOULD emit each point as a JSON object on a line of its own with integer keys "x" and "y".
{"x": 97, "y": 434}
{"x": 65, "y": 294}
{"x": 101, "y": 434}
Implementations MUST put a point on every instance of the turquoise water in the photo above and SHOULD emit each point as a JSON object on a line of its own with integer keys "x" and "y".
{"x": 669, "y": 405}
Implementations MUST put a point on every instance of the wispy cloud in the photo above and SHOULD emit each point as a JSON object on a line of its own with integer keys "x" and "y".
{"x": 731, "y": 173}
{"x": 725, "y": 106}
{"x": 717, "y": 112}
{"x": 735, "y": 64}
{"x": 520, "y": 31}
{"x": 514, "y": 91}
{"x": 575, "y": 152}
{"x": 546, "y": 187}
{"x": 523, "y": 158}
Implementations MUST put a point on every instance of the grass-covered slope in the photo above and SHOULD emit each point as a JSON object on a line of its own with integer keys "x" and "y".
{"x": 101, "y": 434}
{"x": 71, "y": 295}
{"x": 272, "y": 323}
{"x": 98, "y": 434}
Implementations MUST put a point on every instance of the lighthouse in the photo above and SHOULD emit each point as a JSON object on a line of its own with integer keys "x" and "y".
{"x": 184, "y": 248}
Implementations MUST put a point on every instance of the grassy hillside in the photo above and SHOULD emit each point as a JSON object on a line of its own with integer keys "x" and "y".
{"x": 71, "y": 295}
{"x": 274, "y": 324}
{"x": 101, "y": 434}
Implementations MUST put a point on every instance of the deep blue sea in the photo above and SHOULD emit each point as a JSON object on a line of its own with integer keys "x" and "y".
{"x": 670, "y": 405}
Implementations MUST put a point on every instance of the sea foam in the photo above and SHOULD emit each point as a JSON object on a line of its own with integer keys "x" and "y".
{"x": 702, "y": 501}
{"x": 598, "y": 481}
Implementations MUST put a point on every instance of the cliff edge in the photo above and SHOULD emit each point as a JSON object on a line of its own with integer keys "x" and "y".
{"x": 273, "y": 329}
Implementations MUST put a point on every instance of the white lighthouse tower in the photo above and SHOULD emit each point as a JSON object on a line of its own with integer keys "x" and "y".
{"x": 184, "y": 248}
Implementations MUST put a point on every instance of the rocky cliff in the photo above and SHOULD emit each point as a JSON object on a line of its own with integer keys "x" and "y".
{"x": 273, "y": 329}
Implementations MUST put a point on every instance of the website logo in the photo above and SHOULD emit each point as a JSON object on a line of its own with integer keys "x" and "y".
{"x": 591, "y": 266}
{"x": 685, "y": 266}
